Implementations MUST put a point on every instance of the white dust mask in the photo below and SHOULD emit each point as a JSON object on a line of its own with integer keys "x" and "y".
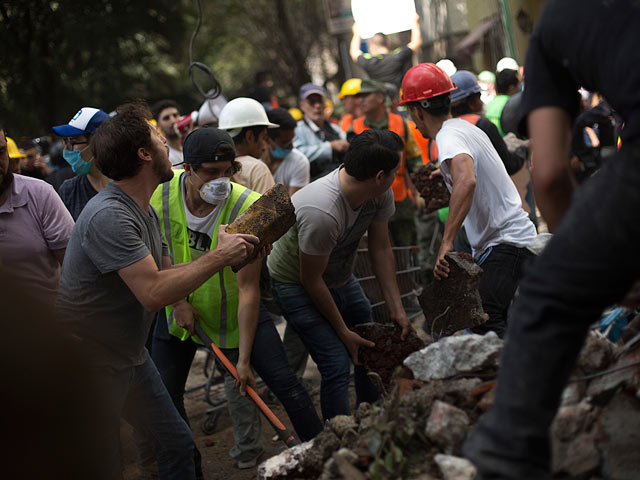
{"x": 216, "y": 191}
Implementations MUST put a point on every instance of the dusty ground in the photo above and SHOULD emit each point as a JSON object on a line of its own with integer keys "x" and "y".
{"x": 216, "y": 462}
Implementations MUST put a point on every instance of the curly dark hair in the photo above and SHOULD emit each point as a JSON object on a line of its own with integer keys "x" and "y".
{"x": 116, "y": 142}
{"x": 372, "y": 151}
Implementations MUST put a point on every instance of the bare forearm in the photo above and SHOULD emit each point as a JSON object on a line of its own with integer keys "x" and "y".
{"x": 384, "y": 268}
{"x": 459, "y": 206}
{"x": 354, "y": 47}
{"x": 553, "y": 184}
{"x": 174, "y": 284}
{"x": 248, "y": 313}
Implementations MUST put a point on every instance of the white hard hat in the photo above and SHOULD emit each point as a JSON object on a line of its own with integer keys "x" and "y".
{"x": 447, "y": 65}
{"x": 507, "y": 63}
{"x": 243, "y": 112}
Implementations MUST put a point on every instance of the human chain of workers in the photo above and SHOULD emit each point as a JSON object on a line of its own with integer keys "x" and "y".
{"x": 135, "y": 238}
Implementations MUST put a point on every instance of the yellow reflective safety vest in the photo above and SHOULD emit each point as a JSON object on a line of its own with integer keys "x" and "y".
{"x": 216, "y": 300}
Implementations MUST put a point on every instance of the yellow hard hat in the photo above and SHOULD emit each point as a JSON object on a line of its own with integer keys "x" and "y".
{"x": 350, "y": 87}
{"x": 296, "y": 113}
{"x": 13, "y": 149}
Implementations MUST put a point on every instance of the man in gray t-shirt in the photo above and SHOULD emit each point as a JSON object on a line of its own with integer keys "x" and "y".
{"x": 116, "y": 273}
{"x": 312, "y": 265}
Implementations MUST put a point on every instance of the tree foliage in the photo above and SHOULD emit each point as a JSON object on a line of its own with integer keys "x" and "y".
{"x": 61, "y": 55}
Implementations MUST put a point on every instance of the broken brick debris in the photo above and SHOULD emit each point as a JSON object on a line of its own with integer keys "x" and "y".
{"x": 268, "y": 218}
{"x": 414, "y": 434}
{"x": 389, "y": 350}
{"x": 433, "y": 190}
{"x": 453, "y": 303}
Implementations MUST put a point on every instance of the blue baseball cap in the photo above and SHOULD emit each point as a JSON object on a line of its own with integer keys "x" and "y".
{"x": 86, "y": 121}
{"x": 467, "y": 85}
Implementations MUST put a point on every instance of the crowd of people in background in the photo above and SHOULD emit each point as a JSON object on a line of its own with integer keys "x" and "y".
{"x": 117, "y": 220}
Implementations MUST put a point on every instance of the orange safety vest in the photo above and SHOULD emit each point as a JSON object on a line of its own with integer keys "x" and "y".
{"x": 346, "y": 121}
{"x": 396, "y": 125}
{"x": 427, "y": 146}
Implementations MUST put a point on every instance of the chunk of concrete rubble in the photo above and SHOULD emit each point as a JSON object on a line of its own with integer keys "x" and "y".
{"x": 596, "y": 354}
{"x": 389, "y": 351}
{"x": 340, "y": 424}
{"x": 341, "y": 465}
{"x": 447, "y": 426}
{"x": 305, "y": 460}
{"x": 577, "y": 457}
{"x": 284, "y": 464}
{"x": 455, "y": 468}
{"x": 453, "y": 303}
{"x": 433, "y": 190}
{"x": 572, "y": 420}
{"x": 601, "y": 389}
{"x": 573, "y": 393}
{"x": 268, "y": 218}
{"x": 620, "y": 427}
{"x": 459, "y": 355}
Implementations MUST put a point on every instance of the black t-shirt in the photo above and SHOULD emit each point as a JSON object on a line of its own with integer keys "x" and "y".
{"x": 512, "y": 161}
{"x": 388, "y": 68}
{"x": 75, "y": 193}
{"x": 593, "y": 44}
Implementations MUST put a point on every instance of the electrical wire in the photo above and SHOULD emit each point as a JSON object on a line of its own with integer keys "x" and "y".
{"x": 215, "y": 91}
{"x": 604, "y": 372}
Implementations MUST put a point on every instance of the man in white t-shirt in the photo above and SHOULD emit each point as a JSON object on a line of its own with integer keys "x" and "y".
{"x": 288, "y": 165}
{"x": 483, "y": 197}
{"x": 311, "y": 266}
{"x": 246, "y": 121}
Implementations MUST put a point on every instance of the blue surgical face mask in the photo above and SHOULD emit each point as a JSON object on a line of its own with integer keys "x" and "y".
{"x": 280, "y": 152}
{"x": 78, "y": 165}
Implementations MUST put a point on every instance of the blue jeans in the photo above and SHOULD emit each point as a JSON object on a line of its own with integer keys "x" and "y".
{"x": 269, "y": 361}
{"x": 502, "y": 270}
{"x": 590, "y": 263}
{"x": 138, "y": 394}
{"x": 326, "y": 349}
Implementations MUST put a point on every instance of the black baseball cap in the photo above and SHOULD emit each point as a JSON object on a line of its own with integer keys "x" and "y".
{"x": 202, "y": 145}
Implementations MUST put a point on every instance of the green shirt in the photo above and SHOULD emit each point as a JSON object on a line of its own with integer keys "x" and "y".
{"x": 494, "y": 110}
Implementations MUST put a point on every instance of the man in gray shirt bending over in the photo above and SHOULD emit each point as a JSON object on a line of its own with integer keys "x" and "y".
{"x": 117, "y": 272}
{"x": 312, "y": 265}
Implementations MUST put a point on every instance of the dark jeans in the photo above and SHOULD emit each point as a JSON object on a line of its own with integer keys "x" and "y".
{"x": 268, "y": 359}
{"x": 138, "y": 395}
{"x": 326, "y": 349}
{"x": 502, "y": 269}
{"x": 589, "y": 264}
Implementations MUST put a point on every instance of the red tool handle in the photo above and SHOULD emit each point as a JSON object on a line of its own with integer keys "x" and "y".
{"x": 275, "y": 422}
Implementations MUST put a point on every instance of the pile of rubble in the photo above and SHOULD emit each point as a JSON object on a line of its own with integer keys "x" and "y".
{"x": 417, "y": 430}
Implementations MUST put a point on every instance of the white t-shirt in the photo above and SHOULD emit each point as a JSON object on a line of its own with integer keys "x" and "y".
{"x": 175, "y": 157}
{"x": 200, "y": 230}
{"x": 496, "y": 215}
{"x": 254, "y": 174}
{"x": 294, "y": 170}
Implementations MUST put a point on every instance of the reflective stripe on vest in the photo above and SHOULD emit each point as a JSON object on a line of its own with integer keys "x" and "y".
{"x": 216, "y": 300}
{"x": 396, "y": 125}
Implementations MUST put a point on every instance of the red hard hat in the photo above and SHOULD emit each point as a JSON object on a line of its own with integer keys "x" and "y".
{"x": 424, "y": 81}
